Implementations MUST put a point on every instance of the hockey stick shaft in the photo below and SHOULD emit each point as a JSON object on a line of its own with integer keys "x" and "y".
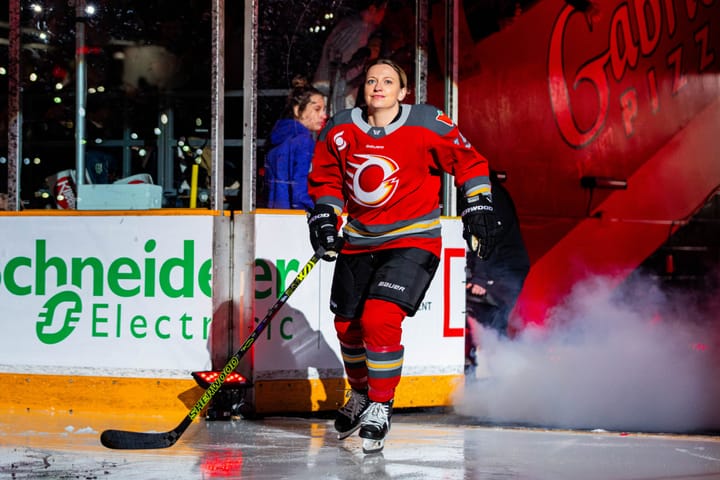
{"x": 123, "y": 439}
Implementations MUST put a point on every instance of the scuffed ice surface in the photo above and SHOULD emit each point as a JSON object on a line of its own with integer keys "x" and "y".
{"x": 421, "y": 445}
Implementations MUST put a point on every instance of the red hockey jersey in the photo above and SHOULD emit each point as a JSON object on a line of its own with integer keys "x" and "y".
{"x": 388, "y": 179}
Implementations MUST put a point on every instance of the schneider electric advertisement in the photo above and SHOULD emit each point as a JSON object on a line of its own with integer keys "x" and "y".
{"x": 132, "y": 296}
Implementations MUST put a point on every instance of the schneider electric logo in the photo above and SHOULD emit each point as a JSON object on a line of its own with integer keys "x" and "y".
{"x": 82, "y": 285}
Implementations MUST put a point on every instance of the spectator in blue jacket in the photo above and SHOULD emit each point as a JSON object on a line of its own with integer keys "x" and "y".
{"x": 292, "y": 143}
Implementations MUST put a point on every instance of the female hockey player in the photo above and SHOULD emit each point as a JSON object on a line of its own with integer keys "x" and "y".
{"x": 382, "y": 164}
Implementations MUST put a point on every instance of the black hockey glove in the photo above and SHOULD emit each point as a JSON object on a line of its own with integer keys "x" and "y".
{"x": 480, "y": 226}
{"x": 323, "y": 221}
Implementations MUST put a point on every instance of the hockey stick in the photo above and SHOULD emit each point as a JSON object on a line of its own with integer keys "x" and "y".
{"x": 126, "y": 440}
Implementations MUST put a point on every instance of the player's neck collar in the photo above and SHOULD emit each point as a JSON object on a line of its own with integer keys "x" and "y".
{"x": 366, "y": 116}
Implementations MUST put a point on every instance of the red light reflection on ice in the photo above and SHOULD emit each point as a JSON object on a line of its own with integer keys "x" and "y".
{"x": 222, "y": 464}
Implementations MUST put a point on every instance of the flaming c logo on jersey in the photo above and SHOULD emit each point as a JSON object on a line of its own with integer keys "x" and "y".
{"x": 441, "y": 117}
{"x": 372, "y": 182}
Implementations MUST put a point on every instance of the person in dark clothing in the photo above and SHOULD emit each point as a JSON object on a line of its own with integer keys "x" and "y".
{"x": 344, "y": 55}
{"x": 293, "y": 140}
{"x": 494, "y": 284}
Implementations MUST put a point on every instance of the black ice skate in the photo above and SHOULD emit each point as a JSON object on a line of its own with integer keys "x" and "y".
{"x": 347, "y": 420}
{"x": 374, "y": 425}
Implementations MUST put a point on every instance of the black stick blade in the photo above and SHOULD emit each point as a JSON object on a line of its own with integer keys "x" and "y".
{"x": 124, "y": 440}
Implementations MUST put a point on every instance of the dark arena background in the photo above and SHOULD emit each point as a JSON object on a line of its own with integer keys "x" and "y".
{"x": 601, "y": 117}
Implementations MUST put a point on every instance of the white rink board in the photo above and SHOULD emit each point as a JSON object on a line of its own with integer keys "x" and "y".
{"x": 128, "y": 296}
{"x": 301, "y": 340}
{"x": 136, "y": 308}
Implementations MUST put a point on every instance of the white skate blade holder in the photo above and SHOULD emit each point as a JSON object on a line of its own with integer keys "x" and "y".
{"x": 372, "y": 446}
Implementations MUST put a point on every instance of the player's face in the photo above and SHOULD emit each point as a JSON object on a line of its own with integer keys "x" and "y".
{"x": 314, "y": 115}
{"x": 382, "y": 87}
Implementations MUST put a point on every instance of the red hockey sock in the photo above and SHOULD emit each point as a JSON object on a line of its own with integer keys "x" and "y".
{"x": 382, "y": 329}
{"x": 381, "y": 323}
{"x": 384, "y": 371}
{"x": 349, "y": 333}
